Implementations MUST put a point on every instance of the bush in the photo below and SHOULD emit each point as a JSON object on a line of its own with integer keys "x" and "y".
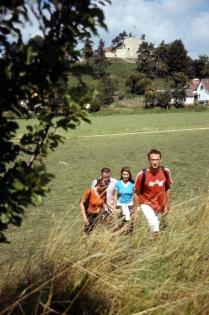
{"x": 95, "y": 105}
{"x": 150, "y": 99}
{"x": 107, "y": 88}
{"x": 137, "y": 83}
{"x": 121, "y": 95}
{"x": 163, "y": 99}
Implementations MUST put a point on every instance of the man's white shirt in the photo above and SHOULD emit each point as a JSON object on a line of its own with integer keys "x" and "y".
{"x": 110, "y": 189}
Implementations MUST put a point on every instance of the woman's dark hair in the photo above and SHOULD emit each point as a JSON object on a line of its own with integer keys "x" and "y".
{"x": 126, "y": 169}
{"x": 104, "y": 181}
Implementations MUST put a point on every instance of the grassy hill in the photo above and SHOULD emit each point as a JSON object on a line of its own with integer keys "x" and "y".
{"x": 120, "y": 70}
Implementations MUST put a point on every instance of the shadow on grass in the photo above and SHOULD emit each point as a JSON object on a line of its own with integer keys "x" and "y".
{"x": 47, "y": 292}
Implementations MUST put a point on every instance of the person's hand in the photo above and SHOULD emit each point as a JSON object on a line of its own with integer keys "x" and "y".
{"x": 109, "y": 207}
{"x": 85, "y": 221}
{"x": 135, "y": 217}
{"x": 113, "y": 209}
{"x": 136, "y": 208}
{"x": 165, "y": 211}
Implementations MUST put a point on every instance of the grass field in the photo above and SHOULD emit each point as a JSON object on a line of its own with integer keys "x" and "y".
{"x": 56, "y": 225}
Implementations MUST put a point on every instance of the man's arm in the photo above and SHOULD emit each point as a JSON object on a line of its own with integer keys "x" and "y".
{"x": 167, "y": 192}
{"x": 136, "y": 200}
{"x": 85, "y": 196}
{"x": 167, "y": 201}
{"x": 137, "y": 190}
{"x": 115, "y": 198}
{"x": 83, "y": 213}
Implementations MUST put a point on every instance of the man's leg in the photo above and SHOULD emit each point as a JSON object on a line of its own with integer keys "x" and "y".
{"x": 163, "y": 222}
{"x": 152, "y": 218}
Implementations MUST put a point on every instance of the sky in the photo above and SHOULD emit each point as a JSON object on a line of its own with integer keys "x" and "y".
{"x": 159, "y": 20}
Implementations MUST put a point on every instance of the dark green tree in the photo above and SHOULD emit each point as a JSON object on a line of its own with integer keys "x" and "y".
{"x": 146, "y": 59}
{"x": 118, "y": 40}
{"x": 100, "y": 61}
{"x": 38, "y": 70}
{"x": 205, "y": 72}
{"x": 190, "y": 68}
{"x": 106, "y": 90}
{"x": 88, "y": 52}
{"x": 177, "y": 57}
{"x": 163, "y": 99}
{"x": 157, "y": 98}
{"x": 161, "y": 60}
{"x": 201, "y": 67}
{"x": 198, "y": 66}
{"x": 179, "y": 85}
{"x": 143, "y": 37}
{"x": 137, "y": 83}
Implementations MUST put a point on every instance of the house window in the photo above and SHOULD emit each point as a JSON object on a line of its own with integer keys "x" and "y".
{"x": 201, "y": 88}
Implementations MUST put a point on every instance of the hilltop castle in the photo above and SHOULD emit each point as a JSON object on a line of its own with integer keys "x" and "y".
{"x": 127, "y": 49}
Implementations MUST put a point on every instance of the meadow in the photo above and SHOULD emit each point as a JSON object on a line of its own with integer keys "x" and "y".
{"x": 102, "y": 274}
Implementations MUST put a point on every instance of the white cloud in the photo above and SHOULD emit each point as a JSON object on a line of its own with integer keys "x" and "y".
{"x": 158, "y": 19}
{"x": 200, "y": 27}
{"x": 161, "y": 20}
{"x": 197, "y": 38}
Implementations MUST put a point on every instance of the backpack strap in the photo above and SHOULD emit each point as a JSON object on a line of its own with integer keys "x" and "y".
{"x": 144, "y": 178}
{"x": 166, "y": 176}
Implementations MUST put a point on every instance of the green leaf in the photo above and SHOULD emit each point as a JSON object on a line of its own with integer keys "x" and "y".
{"x": 36, "y": 200}
{"x": 4, "y": 218}
{"x": 18, "y": 185}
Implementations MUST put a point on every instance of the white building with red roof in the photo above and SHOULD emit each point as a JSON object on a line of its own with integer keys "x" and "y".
{"x": 191, "y": 92}
{"x": 203, "y": 91}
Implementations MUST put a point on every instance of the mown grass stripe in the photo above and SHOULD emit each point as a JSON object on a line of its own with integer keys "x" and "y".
{"x": 133, "y": 133}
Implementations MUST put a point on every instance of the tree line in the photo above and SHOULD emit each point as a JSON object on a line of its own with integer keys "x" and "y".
{"x": 170, "y": 62}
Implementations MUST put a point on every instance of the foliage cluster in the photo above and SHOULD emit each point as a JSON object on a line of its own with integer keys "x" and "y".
{"x": 166, "y": 59}
{"x": 161, "y": 98}
{"x": 34, "y": 79}
{"x": 137, "y": 83}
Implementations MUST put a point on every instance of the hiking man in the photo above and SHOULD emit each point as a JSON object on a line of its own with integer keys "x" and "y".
{"x": 153, "y": 192}
{"x": 106, "y": 174}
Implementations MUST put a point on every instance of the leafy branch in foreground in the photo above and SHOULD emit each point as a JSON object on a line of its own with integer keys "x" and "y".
{"x": 34, "y": 81}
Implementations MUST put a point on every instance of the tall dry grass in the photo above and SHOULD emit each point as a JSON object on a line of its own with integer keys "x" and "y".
{"x": 108, "y": 274}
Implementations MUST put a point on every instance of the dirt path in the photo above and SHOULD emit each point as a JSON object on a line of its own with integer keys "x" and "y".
{"x": 143, "y": 132}
{"x": 133, "y": 133}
